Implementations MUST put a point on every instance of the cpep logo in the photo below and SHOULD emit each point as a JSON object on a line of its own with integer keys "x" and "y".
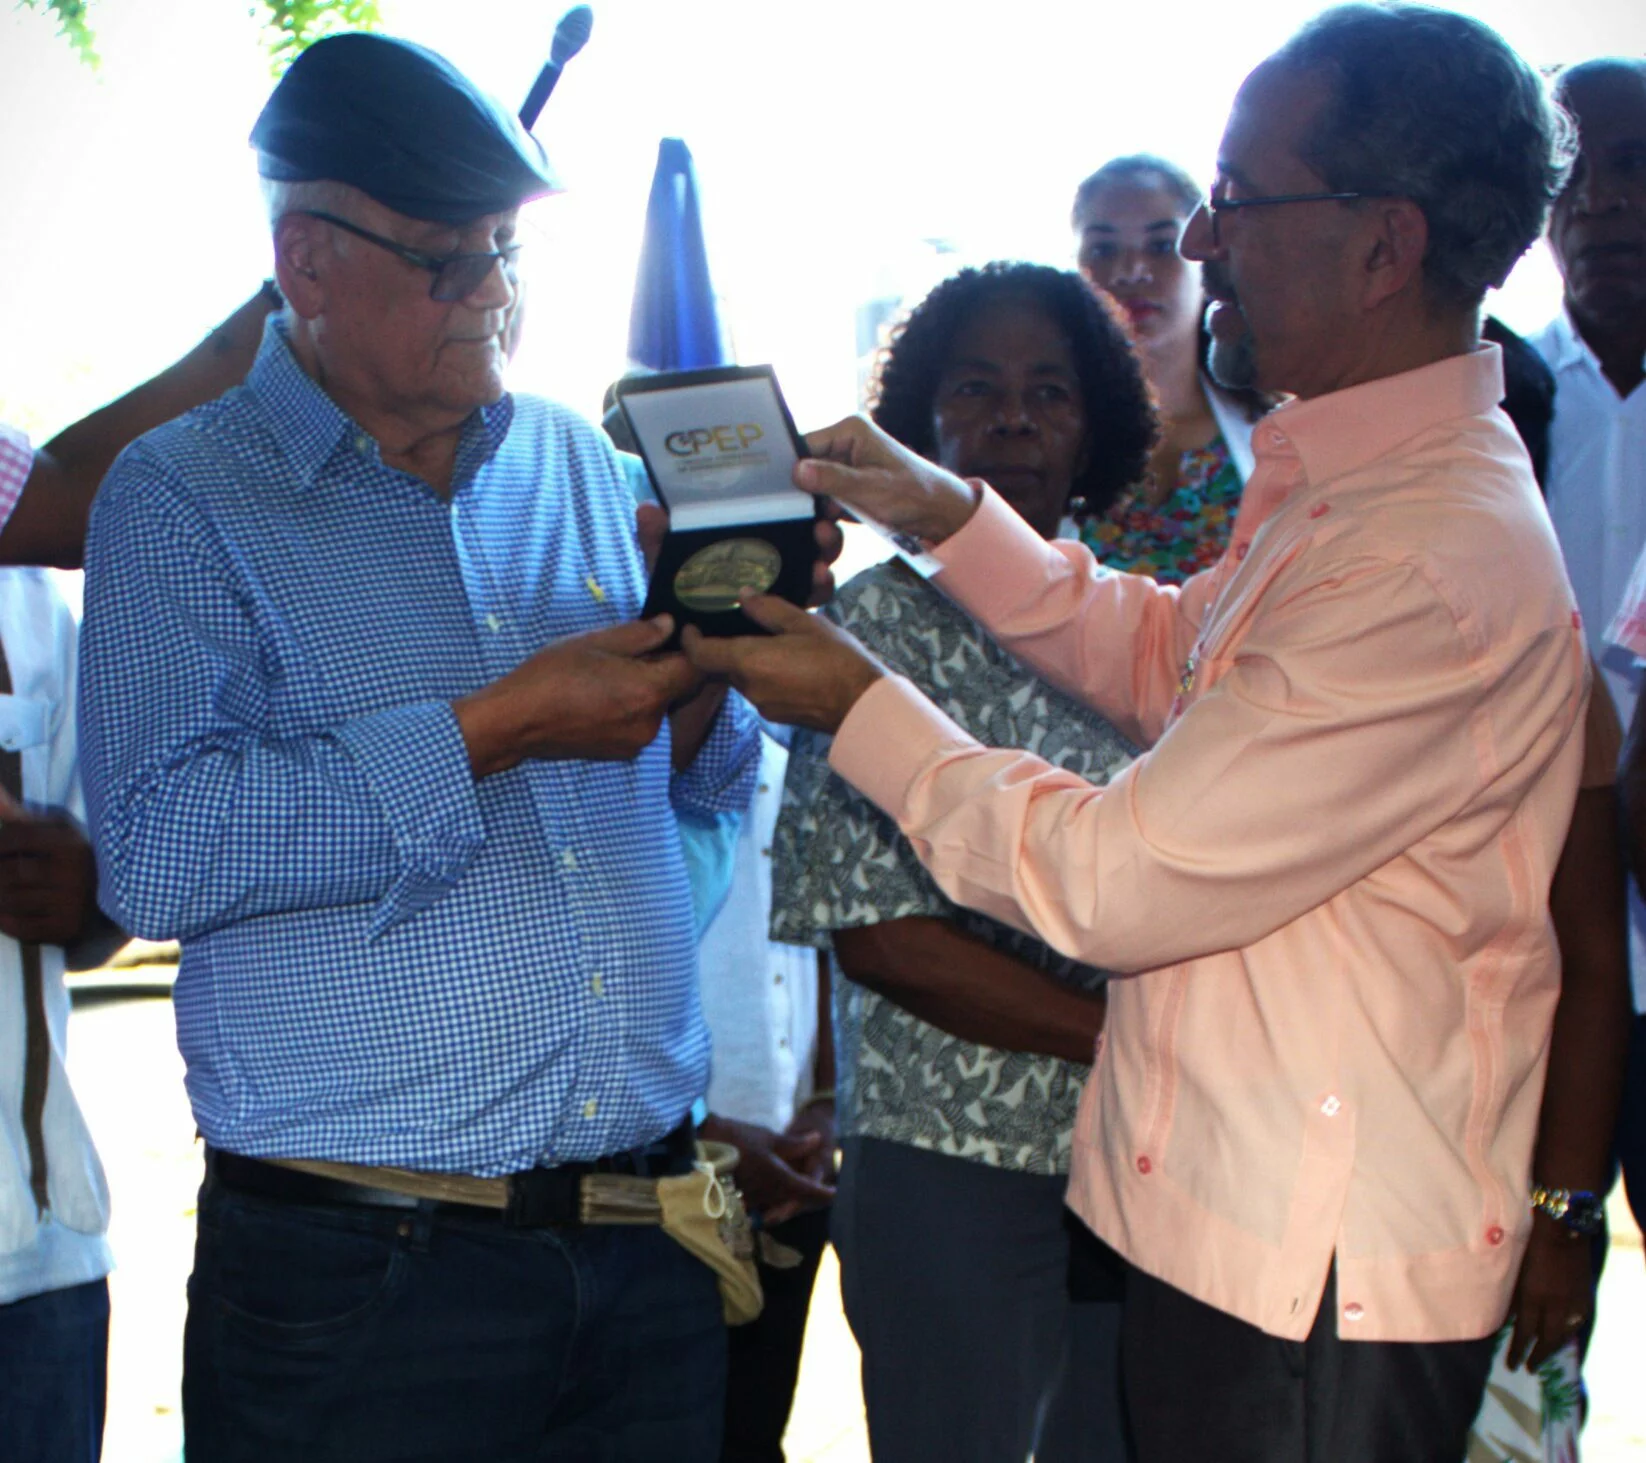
{"x": 690, "y": 442}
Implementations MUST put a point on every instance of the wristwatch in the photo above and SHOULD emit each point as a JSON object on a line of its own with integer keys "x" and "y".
{"x": 1577, "y": 1209}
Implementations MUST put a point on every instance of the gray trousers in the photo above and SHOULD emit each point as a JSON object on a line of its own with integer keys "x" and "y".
{"x": 955, "y": 1281}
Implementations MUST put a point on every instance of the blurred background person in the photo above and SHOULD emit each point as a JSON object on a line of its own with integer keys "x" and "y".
{"x": 54, "y": 1201}
{"x": 1534, "y": 1403}
{"x": 1128, "y": 217}
{"x": 771, "y": 1095}
{"x": 1596, "y": 348}
{"x": 963, "y": 1044}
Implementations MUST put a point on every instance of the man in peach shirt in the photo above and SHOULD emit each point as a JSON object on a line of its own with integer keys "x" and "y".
{"x": 1310, "y": 1125}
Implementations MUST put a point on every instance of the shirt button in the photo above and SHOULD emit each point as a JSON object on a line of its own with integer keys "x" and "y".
{"x": 568, "y": 860}
{"x": 362, "y": 443}
{"x": 764, "y": 787}
{"x": 494, "y": 622}
{"x": 777, "y": 980}
{"x": 1494, "y": 1235}
{"x": 1143, "y": 1164}
{"x": 590, "y": 1108}
{"x": 1331, "y": 1107}
{"x": 765, "y": 853}
{"x": 597, "y": 984}
{"x": 1353, "y": 1311}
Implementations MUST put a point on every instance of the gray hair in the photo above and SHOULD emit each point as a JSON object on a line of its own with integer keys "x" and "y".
{"x": 324, "y": 194}
{"x": 1437, "y": 108}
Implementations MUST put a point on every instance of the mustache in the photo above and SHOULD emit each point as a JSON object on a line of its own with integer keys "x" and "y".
{"x": 1215, "y": 281}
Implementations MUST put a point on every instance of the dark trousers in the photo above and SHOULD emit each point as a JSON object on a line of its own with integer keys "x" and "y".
{"x": 1631, "y": 1124}
{"x": 763, "y": 1357}
{"x": 1201, "y": 1384}
{"x": 955, "y": 1279}
{"x": 322, "y": 1333}
{"x": 54, "y": 1351}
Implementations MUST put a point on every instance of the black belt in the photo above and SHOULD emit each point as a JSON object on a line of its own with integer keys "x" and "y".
{"x": 537, "y": 1198}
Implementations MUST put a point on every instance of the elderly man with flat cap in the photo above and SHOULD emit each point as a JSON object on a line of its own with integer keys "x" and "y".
{"x": 372, "y": 730}
{"x": 1311, "y": 1124}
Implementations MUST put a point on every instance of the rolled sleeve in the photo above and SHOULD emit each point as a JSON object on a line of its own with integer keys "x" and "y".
{"x": 722, "y": 776}
{"x": 201, "y": 813}
{"x": 416, "y": 765}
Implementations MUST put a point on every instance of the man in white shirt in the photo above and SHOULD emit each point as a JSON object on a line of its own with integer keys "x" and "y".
{"x": 54, "y": 1203}
{"x": 1597, "y": 451}
{"x": 771, "y": 1093}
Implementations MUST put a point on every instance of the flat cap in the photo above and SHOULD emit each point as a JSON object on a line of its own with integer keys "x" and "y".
{"x": 401, "y": 124}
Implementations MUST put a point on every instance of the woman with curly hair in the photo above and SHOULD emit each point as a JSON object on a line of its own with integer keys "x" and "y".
{"x": 962, "y": 1044}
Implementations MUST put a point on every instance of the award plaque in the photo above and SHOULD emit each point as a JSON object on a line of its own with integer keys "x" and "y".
{"x": 720, "y": 448}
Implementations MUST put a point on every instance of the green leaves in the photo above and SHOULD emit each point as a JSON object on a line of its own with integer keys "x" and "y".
{"x": 293, "y": 24}
{"x": 71, "y": 25}
{"x": 288, "y": 25}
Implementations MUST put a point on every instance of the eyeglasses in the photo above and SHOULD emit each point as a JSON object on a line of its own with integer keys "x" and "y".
{"x": 456, "y": 276}
{"x": 1217, "y": 204}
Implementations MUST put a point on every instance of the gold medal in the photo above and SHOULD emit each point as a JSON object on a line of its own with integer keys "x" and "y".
{"x": 712, "y": 578}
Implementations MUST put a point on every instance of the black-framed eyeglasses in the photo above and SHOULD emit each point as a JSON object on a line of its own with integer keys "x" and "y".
{"x": 456, "y": 276}
{"x": 1216, "y": 204}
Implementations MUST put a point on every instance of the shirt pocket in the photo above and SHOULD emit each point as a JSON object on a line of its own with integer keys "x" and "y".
{"x": 25, "y": 730}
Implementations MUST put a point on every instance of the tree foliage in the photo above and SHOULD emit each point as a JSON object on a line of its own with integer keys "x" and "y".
{"x": 293, "y": 24}
{"x": 288, "y": 26}
{"x": 71, "y": 25}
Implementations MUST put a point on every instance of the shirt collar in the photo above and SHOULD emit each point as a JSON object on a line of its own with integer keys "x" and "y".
{"x": 1346, "y": 430}
{"x": 310, "y": 427}
{"x": 1568, "y": 348}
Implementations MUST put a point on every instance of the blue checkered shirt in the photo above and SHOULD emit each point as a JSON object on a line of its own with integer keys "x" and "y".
{"x": 383, "y": 961}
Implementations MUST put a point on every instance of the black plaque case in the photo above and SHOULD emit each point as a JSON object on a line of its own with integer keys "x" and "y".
{"x": 794, "y": 539}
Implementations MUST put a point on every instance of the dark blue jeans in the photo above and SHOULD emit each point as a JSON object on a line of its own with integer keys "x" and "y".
{"x": 319, "y": 1333}
{"x": 54, "y": 1351}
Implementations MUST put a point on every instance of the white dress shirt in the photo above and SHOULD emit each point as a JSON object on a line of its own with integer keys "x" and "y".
{"x": 759, "y": 996}
{"x": 66, "y": 1246}
{"x": 1597, "y": 499}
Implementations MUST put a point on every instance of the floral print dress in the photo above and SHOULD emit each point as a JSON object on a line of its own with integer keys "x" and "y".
{"x": 1185, "y": 534}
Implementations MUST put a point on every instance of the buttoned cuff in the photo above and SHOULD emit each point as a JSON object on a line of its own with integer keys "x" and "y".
{"x": 416, "y": 765}
{"x": 888, "y": 739}
{"x": 722, "y": 776}
{"x": 989, "y": 562}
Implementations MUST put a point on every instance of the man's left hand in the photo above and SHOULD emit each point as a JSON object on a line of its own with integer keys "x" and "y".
{"x": 808, "y": 672}
{"x": 1554, "y": 1295}
{"x": 48, "y": 878}
{"x": 652, "y": 525}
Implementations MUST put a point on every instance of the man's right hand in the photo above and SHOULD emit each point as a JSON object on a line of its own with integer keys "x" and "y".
{"x": 770, "y": 1168}
{"x": 857, "y": 464}
{"x": 599, "y": 696}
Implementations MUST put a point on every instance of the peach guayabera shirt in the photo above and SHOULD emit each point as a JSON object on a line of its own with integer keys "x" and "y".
{"x": 1330, "y": 872}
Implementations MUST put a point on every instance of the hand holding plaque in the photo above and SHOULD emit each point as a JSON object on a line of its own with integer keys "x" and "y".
{"x": 721, "y": 448}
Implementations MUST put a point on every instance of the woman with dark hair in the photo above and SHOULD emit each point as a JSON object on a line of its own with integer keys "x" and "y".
{"x": 1127, "y": 219}
{"x": 962, "y": 1044}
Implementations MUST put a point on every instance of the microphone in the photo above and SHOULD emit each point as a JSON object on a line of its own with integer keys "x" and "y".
{"x": 570, "y": 36}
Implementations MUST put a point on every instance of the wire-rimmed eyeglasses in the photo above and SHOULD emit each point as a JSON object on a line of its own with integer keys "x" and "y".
{"x": 1217, "y": 204}
{"x": 456, "y": 276}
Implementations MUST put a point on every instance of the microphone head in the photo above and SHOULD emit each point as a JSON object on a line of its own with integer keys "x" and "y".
{"x": 571, "y": 35}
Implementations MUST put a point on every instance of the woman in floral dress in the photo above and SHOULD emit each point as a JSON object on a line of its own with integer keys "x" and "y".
{"x": 1127, "y": 219}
